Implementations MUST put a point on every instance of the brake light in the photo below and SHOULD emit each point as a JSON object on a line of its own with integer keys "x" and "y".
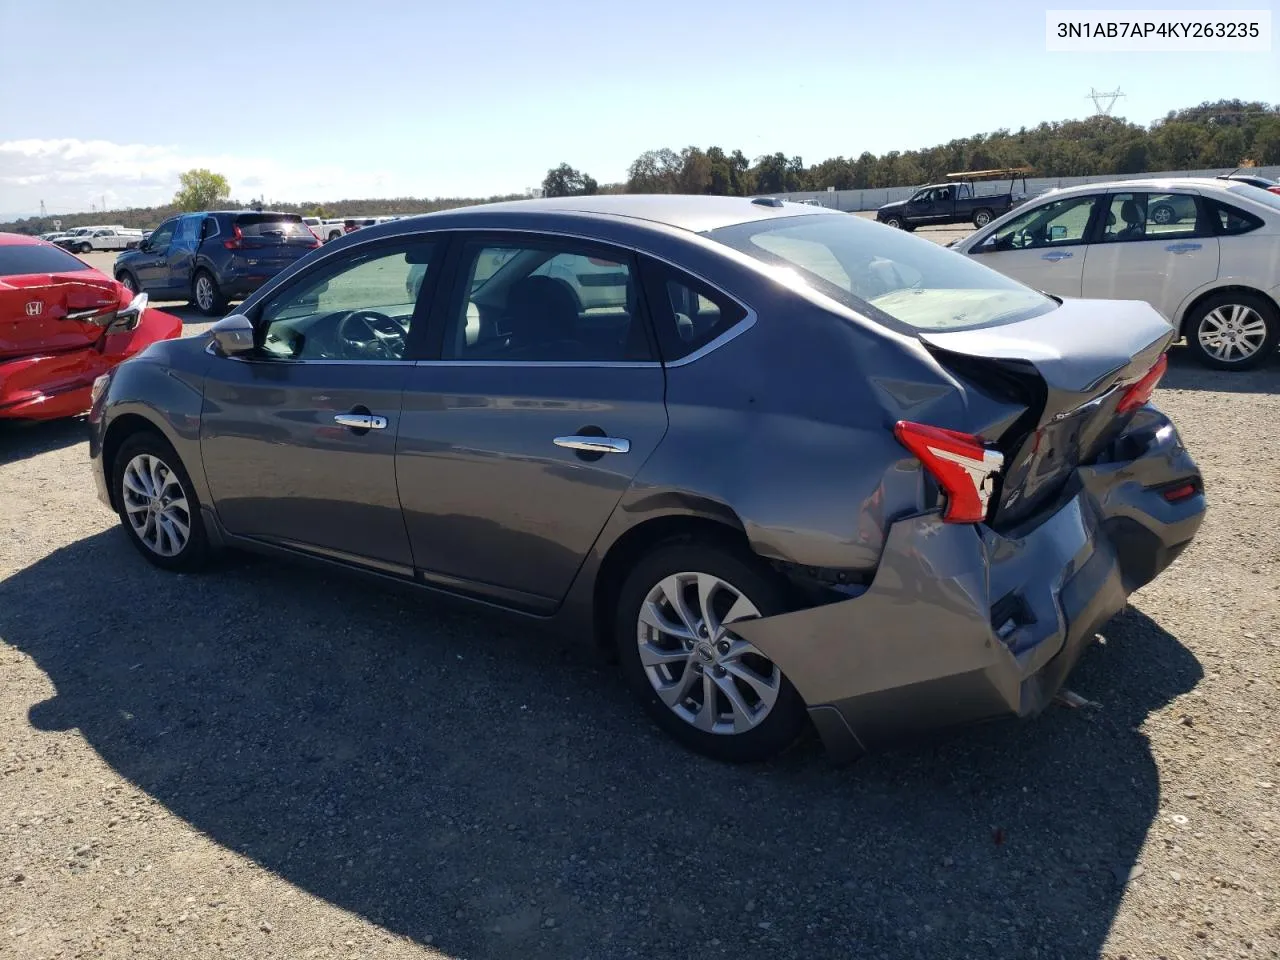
{"x": 1275, "y": 189}
{"x": 236, "y": 238}
{"x": 960, "y": 463}
{"x": 1140, "y": 392}
{"x": 1182, "y": 491}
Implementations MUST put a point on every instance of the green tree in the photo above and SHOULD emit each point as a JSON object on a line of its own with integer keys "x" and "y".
{"x": 565, "y": 181}
{"x": 201, "y": 190}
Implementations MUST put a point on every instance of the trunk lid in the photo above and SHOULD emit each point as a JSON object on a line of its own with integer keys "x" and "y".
{"x": 54, "y": 313}
{"x": 1069, "y": 368}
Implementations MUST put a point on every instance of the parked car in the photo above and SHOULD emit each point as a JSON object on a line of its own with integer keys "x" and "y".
{"x": 955, "y": 202}
{"x": 352, "y": 224}
{"x": 1201, "y": 251}
{"x": 63, "y": 323}
{"x": 818, "y": 470}
{"x": 104, "y": 238}
{"x": 324, "y": 230}
{"x": 1264, "y": 183}
{"x": 214, "y": 257}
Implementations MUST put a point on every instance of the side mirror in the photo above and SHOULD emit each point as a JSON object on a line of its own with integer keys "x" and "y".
{"x": 1058, "y": 232}
{"x": 232, "y": 336}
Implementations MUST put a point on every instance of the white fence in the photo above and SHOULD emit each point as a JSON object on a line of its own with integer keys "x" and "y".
{"x": 853, "y": 200}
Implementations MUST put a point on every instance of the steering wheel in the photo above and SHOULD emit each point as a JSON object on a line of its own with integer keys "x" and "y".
{"x": 372, "y": 335}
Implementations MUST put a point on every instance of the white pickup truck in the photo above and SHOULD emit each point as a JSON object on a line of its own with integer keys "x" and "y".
{"x": 325, "y": 230}
{"x": 85, "y": 239}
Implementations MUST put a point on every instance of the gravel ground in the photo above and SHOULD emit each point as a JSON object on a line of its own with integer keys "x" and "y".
{"x": 269, "y": 762}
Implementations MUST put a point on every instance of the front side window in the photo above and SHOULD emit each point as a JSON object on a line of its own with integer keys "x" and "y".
{"x": 908, "y": 280}
{"x": 159, "y": 240}
{"x": 1058, "y": 223}
{"x": 358, "y": 309}
{"x": 546, "y": 304}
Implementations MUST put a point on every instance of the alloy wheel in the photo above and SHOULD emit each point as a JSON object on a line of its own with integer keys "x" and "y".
{"x": 699, "y": 668}
{"x": 1232, "y": 332}
{"x": 156, "y": 505}
{"x": 204, "y": 292}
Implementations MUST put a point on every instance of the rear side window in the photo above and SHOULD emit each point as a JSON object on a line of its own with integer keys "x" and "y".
{"x": 254, "y": 225}
{"x": 687, "y": 313}
{"x": 1230, "y": 221}
{"x": 1153, "y": 216}
{"x": 17, "y": 259}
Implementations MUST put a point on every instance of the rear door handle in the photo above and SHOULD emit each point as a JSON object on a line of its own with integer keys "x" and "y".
{"x": 587, "y": 444}
{"x": 1183, "y": 247}
{"x": 361, "y": 421}
{"x": 1057, "y": 255}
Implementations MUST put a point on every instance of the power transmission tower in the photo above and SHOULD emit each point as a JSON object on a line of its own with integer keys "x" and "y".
{"x": 1103, "y": 103}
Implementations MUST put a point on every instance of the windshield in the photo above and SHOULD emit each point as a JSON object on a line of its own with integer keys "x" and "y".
{"x": 17, "y": 259}
{"x": 913, "y": 281}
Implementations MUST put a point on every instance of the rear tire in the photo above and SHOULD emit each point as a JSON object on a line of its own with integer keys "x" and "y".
{"x": 756, "y": 712}
{"x": 1222, "y": 327}
{"x": 157, "y": 504}
{"x": 1163, "y": 213}
{"x": 206, "y": 296}
{"x": 982, "y": 217}
{"x": 83, "y": 248}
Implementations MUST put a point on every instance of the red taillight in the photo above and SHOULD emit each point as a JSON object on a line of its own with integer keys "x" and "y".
{"x": 1140, "y": 392}
{"x": 1275, "y": 189}
{"x": 1182, "y": 491}
{"x": 960, "y": 463}
{"x": 236, "y": 237}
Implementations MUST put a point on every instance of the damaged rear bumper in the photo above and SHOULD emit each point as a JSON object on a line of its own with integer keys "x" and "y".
{"x": 50, "y": 386}
{"x": 963, "y": 624}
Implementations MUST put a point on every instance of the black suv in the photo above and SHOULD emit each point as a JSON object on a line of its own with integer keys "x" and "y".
{"x": 213, "y": 257}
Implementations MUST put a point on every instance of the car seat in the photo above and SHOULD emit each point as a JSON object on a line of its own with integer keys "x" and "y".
{"x": 541, "y": 320}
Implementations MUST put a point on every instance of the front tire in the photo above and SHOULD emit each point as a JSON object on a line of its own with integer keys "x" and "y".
{"x": 1233, "y": 331}
{"x": 127, "y": 280}
{"x": 157, "y": 504}
{"x": 206, "y": 295}
{"x": 895, "y": 222}
{"x": 982, "y": 217}
{"x": 1163, "y": 213}
{"x": 83, "y": 248}
{"x": 704, "y": 686}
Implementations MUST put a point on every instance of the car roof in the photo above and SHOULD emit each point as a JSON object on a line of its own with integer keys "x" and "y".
{"x": 1151, "y": 183}
{"x": 695, "y": 213}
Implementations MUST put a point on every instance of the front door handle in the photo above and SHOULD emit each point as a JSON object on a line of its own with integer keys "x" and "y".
{"x": 1183, "y": 247}
{"x": 360, "y": 421}
{"x": 1057, "y": 255}
{"x": 587, "y": 444}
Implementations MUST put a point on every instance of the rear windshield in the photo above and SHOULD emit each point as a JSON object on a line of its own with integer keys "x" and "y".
{"x": 1256, "y": 194}
{"x": 911, "y": 280}
{"x": 19, "y": 258}
{"x": 259, "y": 225}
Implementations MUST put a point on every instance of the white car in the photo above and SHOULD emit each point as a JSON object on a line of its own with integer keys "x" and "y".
{"x": 1205, "y": 253}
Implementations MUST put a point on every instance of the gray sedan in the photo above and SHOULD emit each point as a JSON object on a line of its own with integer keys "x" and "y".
{"x": 795, "y": 468}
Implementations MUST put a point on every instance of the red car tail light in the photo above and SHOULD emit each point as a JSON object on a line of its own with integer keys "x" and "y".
{"x": 236, "y": 237}
{"x": 1183, "y": 491}
{"x": 1140, "y": 392}
{"x": 960, "y": 463}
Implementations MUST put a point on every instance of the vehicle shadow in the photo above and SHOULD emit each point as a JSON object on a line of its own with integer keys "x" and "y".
{"x": 1187, "y": 373}
{"x": 450, "y": 777}
{"x": 20, "y": 439}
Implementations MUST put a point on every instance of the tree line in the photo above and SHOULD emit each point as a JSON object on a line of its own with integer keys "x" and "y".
{"x": 1227, "y": 133}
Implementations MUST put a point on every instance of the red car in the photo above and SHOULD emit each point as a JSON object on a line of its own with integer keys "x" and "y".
{"x": 62, "y": 324}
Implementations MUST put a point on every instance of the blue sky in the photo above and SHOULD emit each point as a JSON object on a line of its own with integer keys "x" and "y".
{"x": 326, "y": 99}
